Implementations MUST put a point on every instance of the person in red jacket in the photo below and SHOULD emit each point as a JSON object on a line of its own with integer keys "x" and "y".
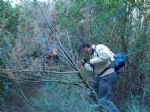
{"x": 51, "y": 54}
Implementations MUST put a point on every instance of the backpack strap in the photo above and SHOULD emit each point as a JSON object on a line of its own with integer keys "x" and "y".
{"x": 96, "y": 51}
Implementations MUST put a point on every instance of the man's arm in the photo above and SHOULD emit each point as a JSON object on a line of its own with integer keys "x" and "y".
{"x": 88, "y": 67}
{"x": 101, "y": 58}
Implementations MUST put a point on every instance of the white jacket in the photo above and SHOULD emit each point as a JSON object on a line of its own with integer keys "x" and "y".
{"x": 101, "y": 59}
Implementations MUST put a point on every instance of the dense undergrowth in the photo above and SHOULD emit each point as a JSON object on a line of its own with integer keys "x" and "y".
{"x": 25, "y": 84}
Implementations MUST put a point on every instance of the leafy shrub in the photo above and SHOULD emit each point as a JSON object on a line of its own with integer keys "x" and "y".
{"x": 132, "y": 104}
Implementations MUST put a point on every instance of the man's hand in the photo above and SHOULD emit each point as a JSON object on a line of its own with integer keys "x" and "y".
{"x": 83, "y": 61}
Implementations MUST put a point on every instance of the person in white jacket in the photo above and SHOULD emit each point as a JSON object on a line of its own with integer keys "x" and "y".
{"x": 100, "y": 63}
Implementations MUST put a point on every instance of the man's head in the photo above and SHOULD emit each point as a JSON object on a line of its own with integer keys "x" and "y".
{"x": 86, "y": 48}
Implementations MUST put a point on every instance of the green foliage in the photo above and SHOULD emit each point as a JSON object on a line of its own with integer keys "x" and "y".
{"x": 99, "y": 21}
{"x": 57, "y": 97}
{"x": 144, "y": 67}
{"x": 4, "y": 89}
{"x": 111, "y": 22}
{"x": 67, "y": 13}
{"x": 8, "y": 16}
{"x": 147, "y": 87}
{"x": 131, "y": 104}
{"x": 2, "y": 64}
{"x": 8, "y": 28}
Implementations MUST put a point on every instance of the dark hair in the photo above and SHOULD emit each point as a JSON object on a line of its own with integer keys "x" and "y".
{"x": 85, "y": 45}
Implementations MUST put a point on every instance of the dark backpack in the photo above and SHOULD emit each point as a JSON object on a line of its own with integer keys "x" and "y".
{"x": 119, "y": 61}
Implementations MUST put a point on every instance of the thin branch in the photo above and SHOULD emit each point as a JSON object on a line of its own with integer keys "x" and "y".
{"x": 57, "y": 36}
{"x": 39, "y": 71}
{"x": 62, "y": 48}
{"x": 44, "y": 80}
{"x": 10, "y": 46}
{"x": 22, "y": 93}
{"x": 114, "y": 23}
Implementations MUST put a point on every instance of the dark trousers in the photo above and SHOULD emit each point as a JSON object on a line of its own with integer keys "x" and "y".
{"x": 103, "y": 88}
